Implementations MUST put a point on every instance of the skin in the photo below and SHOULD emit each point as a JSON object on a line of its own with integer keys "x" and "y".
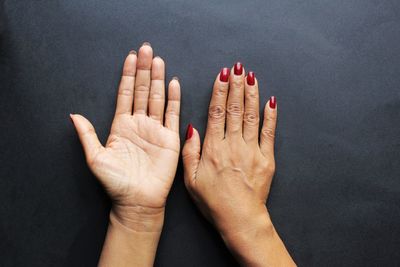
{"x": 230, "y": 177}
{"x": 229, "y": 180}
{"x": 138, "y": 163}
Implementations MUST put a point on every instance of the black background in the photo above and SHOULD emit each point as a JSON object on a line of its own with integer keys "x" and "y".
{"x": 333, "y": 65}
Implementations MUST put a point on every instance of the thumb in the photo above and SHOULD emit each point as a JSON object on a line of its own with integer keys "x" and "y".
{"x": 191, "y": 155}
{"x": 87, "y": 136}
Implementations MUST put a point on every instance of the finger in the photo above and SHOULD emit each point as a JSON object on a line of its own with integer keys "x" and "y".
{"x": 142, "y": 83}
{"x": 157, "y": 90}
{"x": 251, "y": 116}
{"x": 234, "y": 116}
{"x": 126, "y": 86}
{"x": 191, "y": 156}
{"x": 173, "y": 106}
{"x": 87, "y": 136}
{"x": 216, "y": 111}
{"x": 268, "y": 129}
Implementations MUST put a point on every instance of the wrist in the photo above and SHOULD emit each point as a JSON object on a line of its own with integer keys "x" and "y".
{"x": 132, "y": 236}
{"x": 257, "y": 225}
{"x": 244, "y": 220}
{"x": 256, "y": 242}
{"x": 138, "y": 218}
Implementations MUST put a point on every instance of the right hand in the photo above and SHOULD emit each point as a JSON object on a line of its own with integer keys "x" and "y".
{"x": 138, "y": 163}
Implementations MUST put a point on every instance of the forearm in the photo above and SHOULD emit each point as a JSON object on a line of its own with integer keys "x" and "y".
{"x": 132, "y": 241}
{"x": 258, "y": 244}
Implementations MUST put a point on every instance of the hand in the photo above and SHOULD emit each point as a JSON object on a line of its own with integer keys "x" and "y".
{"x": 138, "y": 164}
{"x": 231, "y": 178}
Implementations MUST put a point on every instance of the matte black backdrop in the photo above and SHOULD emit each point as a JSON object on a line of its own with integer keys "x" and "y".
{"x": 333, "y": 65}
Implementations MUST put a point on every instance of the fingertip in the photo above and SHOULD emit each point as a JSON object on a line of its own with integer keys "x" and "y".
{"x": 158, "y": 69}
{"x": 174, "y": 82}
{"x": 272, "y": 103}
{"x": 189, "y": 131}
{"x": 146, "y": 49}
{"x": 192, "y": 135}
{"x": 145, "y": 57}
{"x": 158, "y": 62}
{"x": 174, "y": 88}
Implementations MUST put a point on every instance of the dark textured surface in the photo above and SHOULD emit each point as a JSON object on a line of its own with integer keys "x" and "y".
{"x": 333, "y": 65}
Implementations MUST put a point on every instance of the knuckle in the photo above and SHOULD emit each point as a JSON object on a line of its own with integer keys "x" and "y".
{"x": 215, "y": 161}
{"x": 156, "y": 96}
{"x": 268, "y": 133}
{"x": 216, "y": 112}
{"x": 128, "y": 73}
{"x": 270, "y": 118}
{"x": 89, "y": 131}
{"x": 251, "y": 95}
{"x": 270, "y": 168}
{"x": 237, "y": 83}
{"x": 235, "y": 109}
{"x": 190, "y": 156}
{"x": 221, "y": 90}
{"x": 125, "y": 91}
{"x": 142, "y": 88}
{"x": 172, "y": 112}
{"x": 251, "y": 117}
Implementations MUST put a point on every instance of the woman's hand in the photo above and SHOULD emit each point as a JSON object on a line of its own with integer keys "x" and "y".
{"x": 138, "y": 164}
{"x": 231, "y": 177}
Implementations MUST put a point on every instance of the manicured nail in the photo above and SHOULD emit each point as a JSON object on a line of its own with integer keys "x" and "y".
{"x": 146, "y": 43}
{"x": 238, "y": 69}
{"x": 132, "y": 52}
{"x": 272, "y": 102}
{"x": 224, "y": 75}
{"x": 189, "y": 131}
{"x": 251, "y": 78}
{"x": 175, "y": 78}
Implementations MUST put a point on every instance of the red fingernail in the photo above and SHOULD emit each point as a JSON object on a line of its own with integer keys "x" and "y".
{"x": 272, "y": 102}
{"x": 224, "y": 75}
{"x": 238, "y": 69}
{"x": 189, "y": 131}
{"x": 251, "y": 78}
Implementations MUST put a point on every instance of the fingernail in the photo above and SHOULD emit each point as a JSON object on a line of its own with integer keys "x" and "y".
{"x": 70, "y": 117}
{"x": 272, "y": 102}
{"x": 251, "y": 78}
{"x": 189, "y": 131}
{"x": 224, "y": 75}
{"x": 238, "y": 69}
{"x": 175, "y": 78}
{"x": 146, "y": 43}
{"x": 132, "y": 52}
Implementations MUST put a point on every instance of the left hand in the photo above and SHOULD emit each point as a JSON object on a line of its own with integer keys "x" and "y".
{"x": 231, "y": 178}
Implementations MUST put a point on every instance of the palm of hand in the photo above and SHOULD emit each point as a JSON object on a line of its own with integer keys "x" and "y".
{"x": 139, "y": 161}
{"x": 138, "y": 164}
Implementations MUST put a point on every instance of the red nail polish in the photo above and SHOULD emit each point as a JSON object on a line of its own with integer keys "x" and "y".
{"x": 238, "y": 69}
{"x": 224, "y": 75}
{"x": 251, "y": 78}
{"x": 272, "y": 102}
{"x": 189, "y": 131}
